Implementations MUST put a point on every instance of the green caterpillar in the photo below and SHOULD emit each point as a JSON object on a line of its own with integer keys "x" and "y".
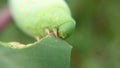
{"x": 34, "y": 16}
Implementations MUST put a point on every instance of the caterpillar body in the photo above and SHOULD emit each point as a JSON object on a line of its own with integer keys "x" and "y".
{"x": 34, "y": 16}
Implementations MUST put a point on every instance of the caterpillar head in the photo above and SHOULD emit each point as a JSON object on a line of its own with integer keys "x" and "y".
{"x": 66, "y": 29}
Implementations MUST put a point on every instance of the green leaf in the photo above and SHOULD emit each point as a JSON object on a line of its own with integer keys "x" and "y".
{"x": 50, "y": 52}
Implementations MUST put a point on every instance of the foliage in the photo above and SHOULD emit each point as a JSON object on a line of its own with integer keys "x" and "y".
{"x": 50, "y": 52}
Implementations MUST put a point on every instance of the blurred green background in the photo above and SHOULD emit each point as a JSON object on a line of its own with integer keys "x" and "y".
{"x": 96, "y": 40}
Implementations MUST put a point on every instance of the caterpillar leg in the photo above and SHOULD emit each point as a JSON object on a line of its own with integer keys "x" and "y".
{"x": 47, "y": 31}
{"x": 37, "y": 38}
{"x": 55, "y": 32}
